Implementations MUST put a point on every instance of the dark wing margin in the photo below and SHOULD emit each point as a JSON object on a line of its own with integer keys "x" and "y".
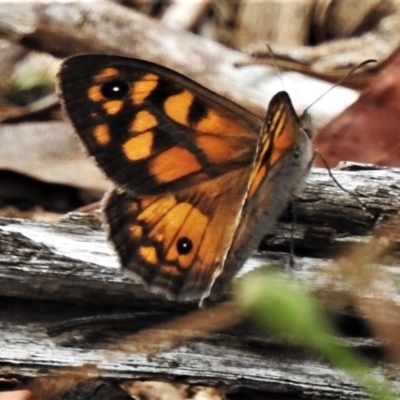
{"x": 151, "y": 129}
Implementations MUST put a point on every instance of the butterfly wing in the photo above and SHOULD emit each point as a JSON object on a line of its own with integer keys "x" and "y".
{"x": 282, "y": 163}
{"x": 180, "y": 244}
{"x": 153, "y": 130}
{"x": 189, "y": 192}
{"x": 176, "y": 244}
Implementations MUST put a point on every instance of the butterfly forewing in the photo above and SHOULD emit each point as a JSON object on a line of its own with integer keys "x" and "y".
{"x": 153, "y": 130}
{"x": 281, "y": 165}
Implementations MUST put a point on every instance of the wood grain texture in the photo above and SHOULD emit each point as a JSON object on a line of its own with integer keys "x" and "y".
{"x": 54, "y": 272}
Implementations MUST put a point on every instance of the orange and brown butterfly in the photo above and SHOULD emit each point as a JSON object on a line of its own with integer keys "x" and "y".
{"x": 198, "y": 178}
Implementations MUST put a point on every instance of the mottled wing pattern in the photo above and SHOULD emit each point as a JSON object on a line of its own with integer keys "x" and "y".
{"x": 153, "y": 130}
{"x": 279, "y": 136}
{"x": 281, "y": 165}
{"x": 177, "y": 243}
{"x": 195, "y": 181}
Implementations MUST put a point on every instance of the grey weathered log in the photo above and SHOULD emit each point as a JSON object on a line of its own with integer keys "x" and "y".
{"x": 221, "y": 360}
{"x": 39, "y": 247}
{"x": 53, "y": 272}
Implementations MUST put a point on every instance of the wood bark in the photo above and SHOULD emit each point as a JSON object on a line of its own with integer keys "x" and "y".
{"x": 30, "y": 147}
{"x": 54, "y": 272}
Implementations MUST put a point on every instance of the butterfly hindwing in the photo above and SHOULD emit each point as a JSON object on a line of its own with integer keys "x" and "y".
{"x": 153, "y": 130}
{"x": 177, "y": 243}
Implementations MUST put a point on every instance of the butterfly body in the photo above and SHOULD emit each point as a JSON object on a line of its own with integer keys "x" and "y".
{"x": 199, "y": 179}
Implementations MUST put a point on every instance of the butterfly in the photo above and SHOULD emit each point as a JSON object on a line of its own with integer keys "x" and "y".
{"x": 198, "y": 179}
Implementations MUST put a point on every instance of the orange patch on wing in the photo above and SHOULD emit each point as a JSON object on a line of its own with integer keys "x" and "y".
{"x": 216, "y": 123}
{"x": 170, "y": 223}
{"x": 101, "y": 134}
{"x": 149, "y": 254}
{"x": 257, "y": 179}
{"x": 168, "y": 270}
{"x": 113, "y": 106}
{"x": 177, "y": 106}
{"x": 143, "y": 121}
{"x": 143, "y": 88}
{"x": 220, "y": 149}
{"x": 284, "y": 142}
{"x": 181, "y": 220}
{"x": 262, "y": 165}
{"x": 138, "y": 147}
{"x": 155, "y": 207}
{"x": 283, "y": 132}
{"x": 193, "y": 228}
{"x": 106, "y": 74}
{"x": 172, "y": 164}
{"x": 133, "y": 207}
{"x": 215, "y": 244}
{"x": 94, "y": 93}
{"x": 136, "y": 231}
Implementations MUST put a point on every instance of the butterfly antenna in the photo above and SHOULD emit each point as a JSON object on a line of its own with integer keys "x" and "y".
{"x": 354, "y": 69}
{"x": 278, "y": 71}
{"x": 363, "y": 207}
